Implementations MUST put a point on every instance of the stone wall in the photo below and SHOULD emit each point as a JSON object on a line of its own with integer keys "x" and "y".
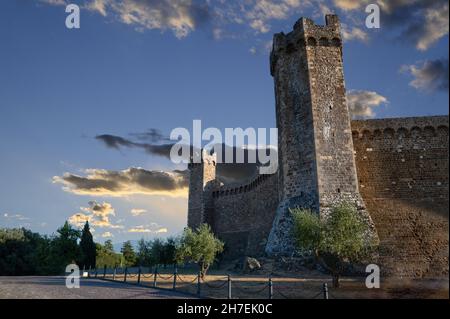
{"x": 396, "y": 168}
{"x": 243, "y": 215}
{"x": 402, "y": 169}
{"x": 317, "y": 167}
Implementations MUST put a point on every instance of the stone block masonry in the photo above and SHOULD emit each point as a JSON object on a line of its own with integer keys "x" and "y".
{"x": 395, "y": 170}
{"x": 317, "y": 167}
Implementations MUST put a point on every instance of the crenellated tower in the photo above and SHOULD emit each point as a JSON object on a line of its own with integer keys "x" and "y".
{"x": 316, "y": 161}
{"x": 202, "y": 182}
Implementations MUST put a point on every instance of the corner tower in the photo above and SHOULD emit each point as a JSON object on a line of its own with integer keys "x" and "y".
{"x": 202, "y": 177}
{"x": 316, "y": 161}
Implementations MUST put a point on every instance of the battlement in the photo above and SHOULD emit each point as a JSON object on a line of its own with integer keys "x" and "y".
{"x": 394, "y": 128}
{"x": 395, "y": 170}
{"x": 307, "y": 34}
{"x": 247, "y": 187}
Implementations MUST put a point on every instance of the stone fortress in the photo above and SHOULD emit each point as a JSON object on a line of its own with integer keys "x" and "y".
{"x": 394, "y": 170}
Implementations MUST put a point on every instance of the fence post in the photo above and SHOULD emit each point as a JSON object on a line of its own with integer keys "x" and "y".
{"x": 114, "y": 273}
{"x": 229, "y": 287}
{"x": 325, "y": 291}
{"x": 199, "y": 282}
{"x": 270, "y": 288}
{"x": 104, "y": 272}
{"x": 154, "y": 277}
{"x": 139, "y": 276}
{"x": 125, "y": 274}
{"x": 175, "y": 272}
{"x": 96, "y": 272}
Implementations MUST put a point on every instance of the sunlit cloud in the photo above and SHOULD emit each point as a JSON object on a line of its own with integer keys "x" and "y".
{"x": 132, "y": 181}
{"x": 361, "y": 104}
{"x": 96, "y": 214}
{"x": 148, "y": 229}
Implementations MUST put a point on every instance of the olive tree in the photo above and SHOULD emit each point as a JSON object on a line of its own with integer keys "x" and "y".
{"x": 199, "y": 246}
{"x": 342, "y": 237}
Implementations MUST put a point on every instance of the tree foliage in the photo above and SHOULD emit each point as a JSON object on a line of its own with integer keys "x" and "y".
{"x": 107, "y": 257}
{"x": 88, "y": 248}
{"x": 128, "y": 253}
{"x": 199, "y": 246}
{"x": 340, "y": 238}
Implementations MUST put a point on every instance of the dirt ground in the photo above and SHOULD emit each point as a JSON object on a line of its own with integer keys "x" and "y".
{"x": 297, "y": 287}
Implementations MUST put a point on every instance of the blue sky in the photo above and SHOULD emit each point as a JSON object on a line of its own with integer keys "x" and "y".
{"x": 136, "y": 65}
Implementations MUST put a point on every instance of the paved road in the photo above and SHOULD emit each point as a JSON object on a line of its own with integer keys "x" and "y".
{"x": 55, "y": 288}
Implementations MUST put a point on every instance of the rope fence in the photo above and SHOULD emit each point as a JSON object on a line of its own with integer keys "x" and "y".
{"x": 201, "y": 282}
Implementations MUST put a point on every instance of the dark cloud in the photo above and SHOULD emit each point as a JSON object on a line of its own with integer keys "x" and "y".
{"x": 151, "y": 135}
{"x": 226, "y": 172}
{"x": 420, "y": 22}
{"x": 430, "y": 76}
{"x": 117, "y": 142}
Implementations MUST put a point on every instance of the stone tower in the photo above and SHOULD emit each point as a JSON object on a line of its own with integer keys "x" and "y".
{"x": 316, "y": 161}
{"x": 202, "y": 181}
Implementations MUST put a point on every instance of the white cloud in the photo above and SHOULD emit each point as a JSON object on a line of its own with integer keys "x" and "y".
{"x": 138, "y": 212}
{"x": 263, "y": 11}
{"x": 149, "y": 229}
{"x": 180, "y": 16}
{"x": 436, "y": 26}
{"x": 96, "y": 214}
{"x": 353, "y": 33}
{"x": 107, "y": 235}
{"x": 99, "y": 6}
{"x": 54, "y": 2}
{"x": 361, "y": 103}
{"x": 15, "y": 217}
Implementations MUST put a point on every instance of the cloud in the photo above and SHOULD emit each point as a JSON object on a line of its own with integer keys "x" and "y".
{"x": 261, "y": 12}
{"x": 100, "y": 182}
{"x": 354, "y": 33}
{"x": 349, "y": 4}
{"x": 149, "y": 229}
{"x": 107, "y": 235}
{"x": 361, "y": 103}
{"x": 420, "y": 22}
{"x": 138, "y": 212}
{"x": 117, "y": 142}
{"x": 19, "y": 217}
{"x": 96, "y": 214}
{"x": 99, "y": 6}
{"x": 429, "y": 76}
{"x": 54, "y": 2}
{"x": 180, "y": 16}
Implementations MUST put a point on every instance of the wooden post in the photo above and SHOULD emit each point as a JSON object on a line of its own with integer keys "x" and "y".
{"x": 125, "y": 274}
{"x": 104, "y": 272}
{"x": 154, "y": 277}
{"x": 229, "y": 287}
{"x": 325, "y": 291}
{"x": 114, "y": 273}
{"x": 139, "y": 276}
{"x": 175, "y": 272}
{"x": 270, "y": 288}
